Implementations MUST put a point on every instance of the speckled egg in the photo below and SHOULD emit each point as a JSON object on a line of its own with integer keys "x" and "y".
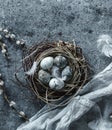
{"x": 55, "y": 71}
{"x": 60, "y": 61}
{"x": 67, "y": 73}
{"x": 44, "y": 76}
{"x": 56, "y": 84}
{"x": 47, "y": 63}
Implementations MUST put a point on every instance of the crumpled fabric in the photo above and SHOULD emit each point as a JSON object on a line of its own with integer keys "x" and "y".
{"x": 89, "y": 110}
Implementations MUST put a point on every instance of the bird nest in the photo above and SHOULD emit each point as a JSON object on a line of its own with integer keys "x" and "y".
{"x": 76, "y": 61}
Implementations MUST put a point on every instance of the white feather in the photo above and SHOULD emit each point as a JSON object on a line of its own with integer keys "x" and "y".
{"x": 33, "y": 69}
{"x": 105, "y": 45}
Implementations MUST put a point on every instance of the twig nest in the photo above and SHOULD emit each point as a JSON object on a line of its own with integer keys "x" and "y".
{"x": 55, "y": 71}
{"x": 44, "y": 76}
{"x": 56, "y": 84}
{"x": 61, "y": 71}
{"x": 46, "y": 63}
{"x": 60, "y": 61}
{"x": 67, "y": 73}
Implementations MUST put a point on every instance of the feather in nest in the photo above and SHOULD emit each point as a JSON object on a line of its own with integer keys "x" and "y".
{"x": 33, "y": 69}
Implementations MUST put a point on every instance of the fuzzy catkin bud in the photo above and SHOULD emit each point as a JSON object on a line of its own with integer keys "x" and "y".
{"x": 12, "y": 36}
{"x": 21, "y": 114}
{"x": 12, "y": 104}
{"x": 5, "y": 31}
{"x": 18, "y": 42}
{"x": 1, "y": 82}
{"x": 3, "y": 51}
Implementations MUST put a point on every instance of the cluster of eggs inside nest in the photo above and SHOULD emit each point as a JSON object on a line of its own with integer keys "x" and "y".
{"x": 55, "y": 72}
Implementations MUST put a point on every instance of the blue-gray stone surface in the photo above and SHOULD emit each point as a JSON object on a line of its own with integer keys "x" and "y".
{"x": 37, "y": 20}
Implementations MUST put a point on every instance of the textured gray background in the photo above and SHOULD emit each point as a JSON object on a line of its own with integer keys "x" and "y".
{"x": 35, "y": 20}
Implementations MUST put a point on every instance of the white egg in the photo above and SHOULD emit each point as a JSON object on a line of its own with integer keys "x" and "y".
{"x": 46, "y": 63}
{"x": 56, "y": 84}
{"x": 44, "y": 76}
{"x": 60, "y": 61}
{"x": 67, "y": 73}
{"x": 55, "y": 71}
